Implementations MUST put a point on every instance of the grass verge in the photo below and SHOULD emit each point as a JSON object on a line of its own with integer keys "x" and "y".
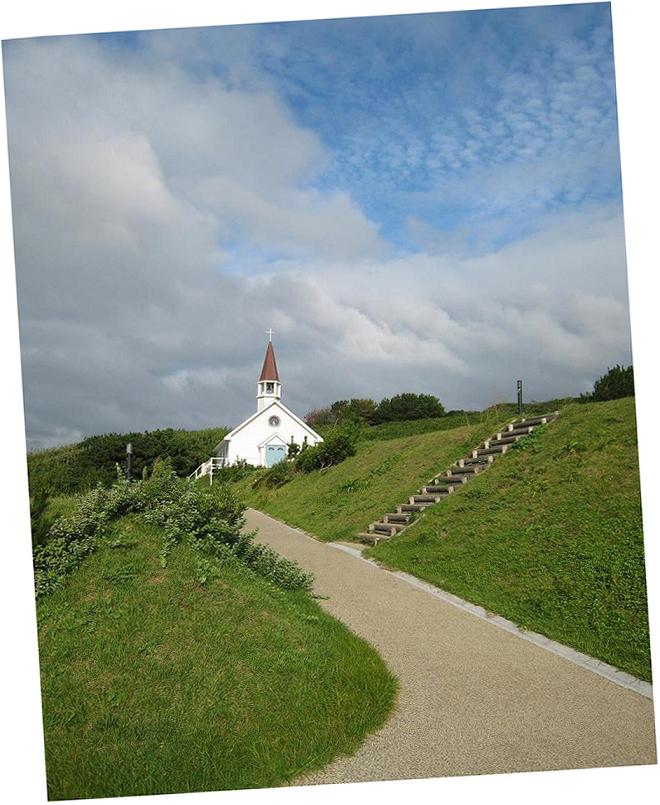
{"x": 153, "y": 683}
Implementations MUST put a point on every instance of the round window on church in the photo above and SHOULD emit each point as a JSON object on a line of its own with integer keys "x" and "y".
{"x": 274, "y": 421}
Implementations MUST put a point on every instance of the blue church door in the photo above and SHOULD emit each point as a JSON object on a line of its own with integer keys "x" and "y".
{"x": 274, "y": 454}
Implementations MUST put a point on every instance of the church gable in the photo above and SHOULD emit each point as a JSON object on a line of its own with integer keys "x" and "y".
{"x": 274, "y": 438}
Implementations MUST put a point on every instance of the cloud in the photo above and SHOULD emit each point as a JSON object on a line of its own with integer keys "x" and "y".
{"x": 170, "y": 205}
{"x": 428, "y": 106}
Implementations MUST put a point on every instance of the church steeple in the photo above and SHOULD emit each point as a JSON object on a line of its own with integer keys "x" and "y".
{"x": 269, "y": 387}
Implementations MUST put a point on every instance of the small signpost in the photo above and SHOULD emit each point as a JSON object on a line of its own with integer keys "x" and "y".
{"x": 129, "y": 453}
{"x": 520, "y": 396}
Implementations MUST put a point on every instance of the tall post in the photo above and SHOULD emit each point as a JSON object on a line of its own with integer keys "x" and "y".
{"x": 129, "y": 453}
{"x": 520, "y": 397}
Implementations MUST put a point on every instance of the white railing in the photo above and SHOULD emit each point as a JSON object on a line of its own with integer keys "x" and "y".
{"x": 208, "y": 468}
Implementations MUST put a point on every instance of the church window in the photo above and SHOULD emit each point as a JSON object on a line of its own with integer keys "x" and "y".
{"x": 270, "y": 388}
{"x": 274, "y": 421}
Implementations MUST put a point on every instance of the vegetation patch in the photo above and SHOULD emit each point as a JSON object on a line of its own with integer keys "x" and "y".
{"x": 210, "y": 523}
{"x": 342, "y": 500}
{"x": 616, "y": 383}
{"x": 81, "y": 467}
{"x": 550, "y": 537}
{"x": 153, "y": 683}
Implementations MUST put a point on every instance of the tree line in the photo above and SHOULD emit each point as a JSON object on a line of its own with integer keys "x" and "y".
{"x": 365, "y": 410}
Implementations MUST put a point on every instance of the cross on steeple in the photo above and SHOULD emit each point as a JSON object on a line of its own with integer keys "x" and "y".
{"x": 269, "y": 332}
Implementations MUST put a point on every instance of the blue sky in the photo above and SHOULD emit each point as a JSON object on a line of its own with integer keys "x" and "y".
{"x": 417, "y": 203}
{"x": 419, "y": 111}
{"x": 415, "y": 108}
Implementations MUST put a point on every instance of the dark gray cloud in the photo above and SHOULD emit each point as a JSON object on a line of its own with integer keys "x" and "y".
{"x": 163, "y": 221}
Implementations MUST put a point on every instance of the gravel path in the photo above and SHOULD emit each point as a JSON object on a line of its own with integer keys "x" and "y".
{"x": 473, "y": 698}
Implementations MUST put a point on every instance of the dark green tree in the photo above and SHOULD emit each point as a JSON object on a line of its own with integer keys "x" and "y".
{"x": 408, "y": 406}
{"x": 617, "y": 382}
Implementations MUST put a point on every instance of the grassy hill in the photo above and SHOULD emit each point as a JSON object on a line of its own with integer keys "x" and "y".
{"x": 79, "y": 467}
{"x": 342, "y": 500}
{"x": 500, "y": 412}
{"x": 550, "y": 537}
{"x": 154, "y": 683}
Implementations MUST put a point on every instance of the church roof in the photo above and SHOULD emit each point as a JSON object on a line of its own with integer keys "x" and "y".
{"x": 269, "y": 369}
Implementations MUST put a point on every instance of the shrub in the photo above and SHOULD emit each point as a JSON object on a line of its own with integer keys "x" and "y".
{"x": 266, "y": 562}
{"x": 69, "y": 540}
{"x": 337, "y": 447}
{"x": 292, "y": 449}
{"x": 235, "y": 472}
{"x": 211, "y": 521}
{"x": 408, "y": 406}
{"x": 615, "y": 383}
{"x": 277, "y": 475}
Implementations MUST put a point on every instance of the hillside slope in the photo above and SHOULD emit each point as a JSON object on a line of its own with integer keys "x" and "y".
{"x": 550, "y": 537}
{"x": 342, "y": 500}
{"x": 153, "y": 683}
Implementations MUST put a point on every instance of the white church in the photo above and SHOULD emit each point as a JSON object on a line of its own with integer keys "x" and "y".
{"x": 263, "y": 438}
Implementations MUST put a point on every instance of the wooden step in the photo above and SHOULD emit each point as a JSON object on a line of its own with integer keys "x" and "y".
{"x": 490, "y": 451}
{"x": 433, "y": 489}
{"x": 471, "y": 469}
{"x": 506, "y": 439}
{"x": 384, "y": 528}
{"x": 513, "y": 432}
{"x": 372, "y": 538}
{"x": 482, "y": 461}
{"x": 542, "y": 419}
{"x": 425, "y": 498}
{"x": 449, "y": 480}
{"x": 413, "y": 507}
{"x": 383, "y": 525}
{"x": 396, "y": 517}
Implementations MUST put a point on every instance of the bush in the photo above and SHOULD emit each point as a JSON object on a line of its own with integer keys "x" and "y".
{"x": 235, "y": 472}
{"x": 617, "y": 382}
{"x": 277, "y": 475}
{"x": 292, "y": 449}
{"x": 211, "y": 521}
{"x": 408, "y": 406}
{"x": 367, "y": 412}
{"x": 337, "y": 447}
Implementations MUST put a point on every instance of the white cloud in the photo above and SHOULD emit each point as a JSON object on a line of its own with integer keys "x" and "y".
{"x": 164, "y": 220}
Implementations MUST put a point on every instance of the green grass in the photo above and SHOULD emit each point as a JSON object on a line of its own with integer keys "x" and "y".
{"x": 495, "y": 414}
{"x": 550, "y": 537}
{"x": 152, "y": 683}
{"x": 342, "y": 500}
{"x": 413, "y": 427}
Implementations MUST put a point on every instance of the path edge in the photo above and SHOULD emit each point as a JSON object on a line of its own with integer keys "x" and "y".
{"x": 592, "y": 664}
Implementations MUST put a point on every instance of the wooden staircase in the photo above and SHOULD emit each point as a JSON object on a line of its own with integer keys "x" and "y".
{"x": 463, "y": 471}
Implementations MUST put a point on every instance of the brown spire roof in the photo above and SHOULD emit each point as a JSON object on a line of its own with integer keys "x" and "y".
{"x": 269, "y": 369}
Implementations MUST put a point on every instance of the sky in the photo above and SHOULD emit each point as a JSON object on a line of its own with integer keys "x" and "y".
{"x": 427, "y": 203}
